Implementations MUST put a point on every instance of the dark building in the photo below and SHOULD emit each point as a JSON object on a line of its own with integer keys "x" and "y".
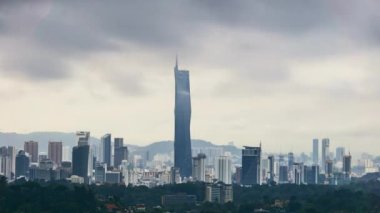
{"x": 106, "y": 149}
{"x": 80, "y": 161}
{"x": 22, "y": 164}
{"x": 347, "y": 165}
{"x": 290, "y": 160}
{"x": 251, "y": 163}
{"x": 120, "y": 152}
{"x": 182, "y": 138}
{"x": 271, "y": 168}
{"x": 311, "y": 174}
{"x": 283, "y": 174}
{"x": 219, "y": 193}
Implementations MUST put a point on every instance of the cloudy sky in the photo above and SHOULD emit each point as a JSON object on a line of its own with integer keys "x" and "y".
{"x": 283, "y": 72}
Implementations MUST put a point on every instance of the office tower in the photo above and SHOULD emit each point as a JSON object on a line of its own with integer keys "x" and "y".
{"x": 31, "y": 147}
{"x": 199, "y": 167}
{"x": 224, "y": 170}
{"x": 325, "y": 153}
{"x": 22, "y": 164}
{"x": 175, "y": 176}
{"x": 106, "y": 149}
{"x": 347, "y": 165}
{"x": 120, "y": 152}
{"x": 82, "y": 159}
{"x": 271, "y": 168}
{"x": 219, "y": 193}
{"x": 298, "y": 173}
{"x": 83, "y": 138}
{"x": 118, "y": 142}
{"x": 55, "y": 152}
{"x": 65, "y": 170}
{"x": 113, "y": 177}
{"x": 311, "y": 174}
{"x": 182, "y": 138}
{"x": 251, "y": 160}
{"x": 6, "y": 166}
{"x": 339, "y": 153}
{"x": 290, "y": 160}
{"x": 283, "y": 174}
{"x": 100, "y": 172}
{"x": 238, "y": 175}
{"x": 315, "y": 151}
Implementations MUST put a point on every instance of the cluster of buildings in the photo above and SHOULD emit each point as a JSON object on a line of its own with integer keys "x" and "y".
{"x": 111, "y": 162}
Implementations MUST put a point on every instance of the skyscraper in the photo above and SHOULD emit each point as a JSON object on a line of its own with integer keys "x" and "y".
{"x": 199, "y": 167}
{"x": 325, "y": 153}
{"x": 182, "y": 111}
{"x": 106, "y": 149}
{"x": 22, "y": 164}
{"x": 271, "y": 168}
{"x": 224, "y": 170}
{"x": 120, "y": 152}
{"x": 347, "y": 165}
{"x": 251, "y": 163}
{"x": 290, "y": 160}
{"x": 315, "y": 151}
{"x": 55, "y": 152}
{"x": 82, "y": 159}
{"x": 31, "y": 147}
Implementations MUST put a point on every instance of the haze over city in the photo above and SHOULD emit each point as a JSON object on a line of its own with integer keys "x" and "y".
{"x": 283, "y": 74}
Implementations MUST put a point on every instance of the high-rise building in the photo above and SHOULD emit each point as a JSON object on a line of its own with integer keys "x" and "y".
{"x": 251, "y": 163}
{"x": 182, "y": 138}
{"x": 339, "y": 153}
{"x": 271, "y": 168}
{"x": 347, "y": 165}
{"x": 31, "y": 147}
{"x": 55, "y": 152}
{"x": 325, "y": 153}
{"x": 290, "y": 160}
{"x": 315, "y": 151}
{"x": 22, "y": 164}
{"x": 106, "y": 149}
{"x": 311, "y": 174}
{"x": 82, "y": 158}
{"x": 298, "y": 173}
{"x": 224, "y": 170}
{"x": 100, "y": 172}
{"x": 121, "y": 154}
{"x": 83, "y": 138}
{"x": 199, "y": 167}
{"x": 283, "y": 174}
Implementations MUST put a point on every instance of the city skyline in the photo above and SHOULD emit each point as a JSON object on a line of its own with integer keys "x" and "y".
{"x": 277, "y": 77}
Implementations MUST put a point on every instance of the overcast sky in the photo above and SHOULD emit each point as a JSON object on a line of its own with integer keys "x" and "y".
{"x": 283, "y": 72}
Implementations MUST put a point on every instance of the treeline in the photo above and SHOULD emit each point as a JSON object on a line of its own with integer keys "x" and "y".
{"x": 65, "y": 197}
{"x": 52, "y": 197}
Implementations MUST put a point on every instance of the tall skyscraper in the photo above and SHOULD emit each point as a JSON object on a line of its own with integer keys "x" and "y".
{"x": 325, "y": 153}
{"x": 315, "y": 151}
{"x": 106, "y": 149}
{"x": 82, "y": 159}
{"x": 251, "y": 163}
{"x": 22, "y": 164}
{"x": 290, "y": 160}
{"x": 271, "y": 168}
{"x": 199, "y": 167}
{"x": 120, "y": 152}
{"x": 31, "y": 147}
{"x": 347, "y": 165}
{"x": 55, "y": 152}
{"x": 224, "y": 170}
{"x": 182, "y": 111}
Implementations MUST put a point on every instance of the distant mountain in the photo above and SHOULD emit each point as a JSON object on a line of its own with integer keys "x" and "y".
{"x": 69, "y": 139}
{"x": 17, "y": 140}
